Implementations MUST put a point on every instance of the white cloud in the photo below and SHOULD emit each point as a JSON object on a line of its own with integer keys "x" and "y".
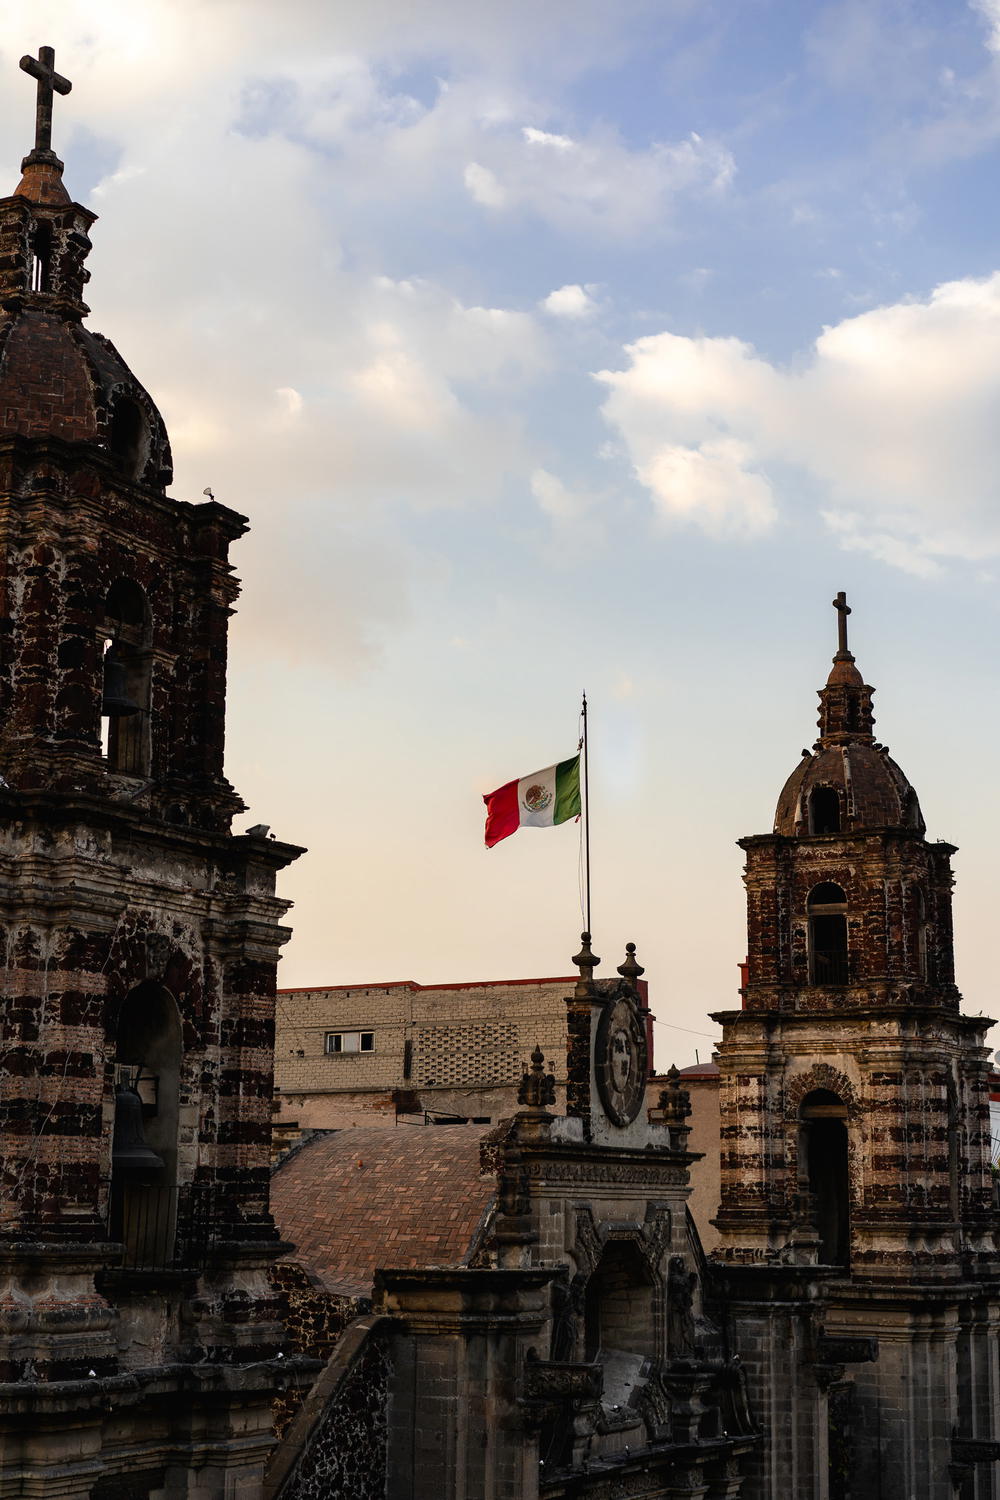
{"x": 558, "y": 502}
{"x": 908, "y": 555}
{"x": 712, "y": 485}
{"x": 570, "y": 302}
{"x": 891, "y": 422}
{"x": 593, "y": 184}
{"x": 543, "y": 138}
{"x": 483, "y": 186}
{"x": 990, "y": 10}
{"x": 578, "y": 516}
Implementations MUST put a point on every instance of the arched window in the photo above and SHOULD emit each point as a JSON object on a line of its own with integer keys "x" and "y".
{"x": 127, "y": 672}
{"x": 823, "y": 1170}
{"x": 824, "y": 810}
{"x": 128, "y": 438}
{"x": 828, "y": 956}
{"x": 147, "y": 1056}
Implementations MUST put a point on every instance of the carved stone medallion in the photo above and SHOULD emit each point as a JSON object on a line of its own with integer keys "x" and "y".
{"x": 621, "y": 1060}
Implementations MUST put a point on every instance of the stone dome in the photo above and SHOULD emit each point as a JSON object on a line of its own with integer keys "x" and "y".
{"x": 870, "y": 789}
{"x": 58, "y": 379}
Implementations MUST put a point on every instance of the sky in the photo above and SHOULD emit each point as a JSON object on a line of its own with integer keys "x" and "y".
{"x": 561, "y": 348}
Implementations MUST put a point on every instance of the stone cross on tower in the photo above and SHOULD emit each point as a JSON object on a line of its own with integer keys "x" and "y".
{"x": 843, "y": 609}
{"x": 43, "y": 68}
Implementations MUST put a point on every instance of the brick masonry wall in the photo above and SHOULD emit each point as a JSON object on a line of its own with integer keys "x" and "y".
{"x": 401, "y": 1108}
{"x": 461, "y": 1036}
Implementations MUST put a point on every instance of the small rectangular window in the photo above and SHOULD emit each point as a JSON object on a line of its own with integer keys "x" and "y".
{"x": 350, "y": 1041}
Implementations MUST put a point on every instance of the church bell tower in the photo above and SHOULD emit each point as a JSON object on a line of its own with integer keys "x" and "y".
{"x": 138, "y": 1334}
{"x": 857, "y": 1222}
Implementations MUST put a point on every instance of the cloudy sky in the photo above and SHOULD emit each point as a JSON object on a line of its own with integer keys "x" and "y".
{"x": 582, "y": 345}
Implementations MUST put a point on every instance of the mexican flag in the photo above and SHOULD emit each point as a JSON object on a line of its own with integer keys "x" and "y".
{"x": 537, "y": 801}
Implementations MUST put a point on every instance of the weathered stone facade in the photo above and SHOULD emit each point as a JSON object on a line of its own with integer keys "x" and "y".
{"x": 858, "y": 1227}
{"x": 137, "y": 1324}
{"x": 538, "y": 1288}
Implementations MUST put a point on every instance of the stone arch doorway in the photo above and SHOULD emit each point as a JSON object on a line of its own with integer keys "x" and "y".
{"x": 823, "y": 1156}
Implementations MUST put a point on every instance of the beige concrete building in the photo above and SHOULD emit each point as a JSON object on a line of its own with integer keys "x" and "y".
{"x": 374, "y": 1054}
{"x": 702, "y": 1084}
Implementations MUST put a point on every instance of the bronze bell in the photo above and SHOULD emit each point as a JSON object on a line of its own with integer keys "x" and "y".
{"x": 116, "y": 703}
{"x": 131, "y": 1159}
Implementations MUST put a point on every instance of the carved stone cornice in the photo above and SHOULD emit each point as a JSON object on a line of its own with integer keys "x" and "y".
{"x": 970, "y": 1450}
{"x": 553, "y": 1380}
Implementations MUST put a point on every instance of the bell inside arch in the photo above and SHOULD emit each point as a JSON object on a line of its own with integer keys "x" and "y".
{"x": 131, "y": 1159}
{"x": 116, "y": 703}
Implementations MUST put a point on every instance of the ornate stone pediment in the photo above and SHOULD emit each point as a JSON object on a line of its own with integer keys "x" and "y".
{"x": 820, "y": 1076}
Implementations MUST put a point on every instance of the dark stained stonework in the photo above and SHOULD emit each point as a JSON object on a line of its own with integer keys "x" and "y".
{"x": 140, "y": 936}
{"x": 338, "y": 1446}
{"x": 857, "y": 1194}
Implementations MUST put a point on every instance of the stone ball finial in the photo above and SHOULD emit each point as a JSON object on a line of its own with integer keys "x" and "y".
{"x": 586, "y": 961}
{"x": 630, "y": 970}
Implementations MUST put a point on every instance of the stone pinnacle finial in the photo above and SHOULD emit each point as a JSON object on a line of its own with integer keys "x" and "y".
{"x": 586, "y": 962}
{"x": 41, "y": 169}
{"x": 43, "y": 68}
{"x": 537, "y": 1088}
{"x": 843, "y": 609}
{"x": 675, "y": 1107}
{"x": 846, "y": 701}
{"x": 630, "y": 970}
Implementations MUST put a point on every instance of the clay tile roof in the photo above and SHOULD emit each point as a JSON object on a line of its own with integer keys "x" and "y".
{"x": 352, "y": 1201}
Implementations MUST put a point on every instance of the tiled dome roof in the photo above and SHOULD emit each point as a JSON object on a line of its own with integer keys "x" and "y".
{"x": 352, "y": 1201}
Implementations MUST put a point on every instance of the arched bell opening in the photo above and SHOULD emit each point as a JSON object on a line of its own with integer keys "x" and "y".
{"x": 619, "y": 1314}
{"x": 823, "y": 1171}
{"x": 147, "y": 1063}
{"x": 829, "y": 960}
{"x": 128, "y": 435}
{"x": 824, "y": 810}
{"x": 41, "y": 257}
{"x": 125, "y": 701}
